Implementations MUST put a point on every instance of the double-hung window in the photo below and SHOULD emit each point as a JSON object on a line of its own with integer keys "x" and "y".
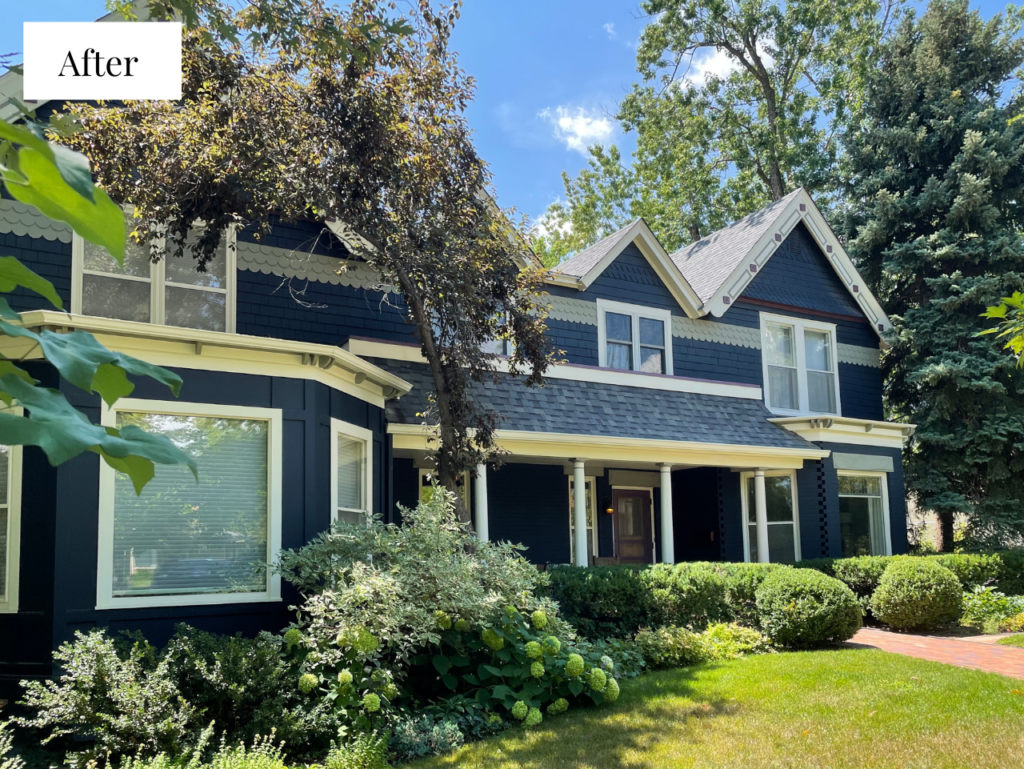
{"x": 170, "y": 291}
{"x": 353, "y": 472}
{"x": 634, "y": 338}
{"x": 10, "y": 526}
{"x": 180, "y": 542}
{"x": 864, "y": 514}
{"x": 799, "y": 358}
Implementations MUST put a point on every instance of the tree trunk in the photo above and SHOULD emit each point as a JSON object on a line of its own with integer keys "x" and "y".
{"x": 944, "y": 534}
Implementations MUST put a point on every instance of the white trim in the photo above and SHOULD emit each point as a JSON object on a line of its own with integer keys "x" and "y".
{"x": 745, "y": 509}
{"x": 635, "y": 312}
{"x": 883, "y": 482}
{"x": 857, "y": 432}
{"x": 9, "y": 600}
{"x": 371, "y": 348}
{"x": 357, "y": 433}
{"x": 799, "y": 326}
{"x": 158, "y": 282}
{"x": 831, "y": 248}
{"x": 105, "y": 552}
{"x": 572, "y": 528}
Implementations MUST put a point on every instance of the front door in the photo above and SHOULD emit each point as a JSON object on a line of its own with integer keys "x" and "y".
{"x": 633, "y": 526}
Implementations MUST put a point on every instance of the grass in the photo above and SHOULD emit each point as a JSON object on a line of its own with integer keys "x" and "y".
{"x": 848, "y": 708}
{"x": 1013, "y": 640}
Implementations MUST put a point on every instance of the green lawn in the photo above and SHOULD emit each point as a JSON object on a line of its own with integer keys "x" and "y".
{"x": 1013, "y": 640}
{"x": 850, "y": 708}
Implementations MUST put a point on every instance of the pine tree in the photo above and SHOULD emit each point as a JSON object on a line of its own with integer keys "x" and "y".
{"x": 934, "y": 210}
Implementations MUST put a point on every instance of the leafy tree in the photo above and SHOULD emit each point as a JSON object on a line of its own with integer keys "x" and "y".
{"x": 935, "y": 205}
{"x": 375, "y": 145}
{"x": 713, "y": 149}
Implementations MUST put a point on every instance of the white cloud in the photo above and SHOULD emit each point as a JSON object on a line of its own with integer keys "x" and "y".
{"x": 714, "y": 62}
{"x": 578, "y": 128}
{"x": 610, "y": 29}
{"x": 544, "y": 225}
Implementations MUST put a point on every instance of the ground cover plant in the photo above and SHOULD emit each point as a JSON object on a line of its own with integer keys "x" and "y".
{"x": 1013, "y": 640}
{"x": 842, "y": 708}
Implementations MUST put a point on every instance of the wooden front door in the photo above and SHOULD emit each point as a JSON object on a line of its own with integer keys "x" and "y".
{"x": 633, "y": 526}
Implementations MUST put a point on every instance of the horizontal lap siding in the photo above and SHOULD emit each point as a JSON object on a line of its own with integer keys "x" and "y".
{"x": 578, "y": 341}
{"x": 721, "y": 362}
{"x": 50, "y": 259}
{"x": 529, "y": 504}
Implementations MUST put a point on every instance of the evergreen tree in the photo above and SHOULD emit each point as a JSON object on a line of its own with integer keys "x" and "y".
{"x": 934, "y": 206}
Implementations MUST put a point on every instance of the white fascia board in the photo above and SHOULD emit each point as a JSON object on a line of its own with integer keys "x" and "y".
{"x": 370, "y": 348}
{"x": 801, "y": 209}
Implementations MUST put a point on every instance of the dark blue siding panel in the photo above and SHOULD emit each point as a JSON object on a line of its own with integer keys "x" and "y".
{"x": 860, "y": 390}
{"x": 49, "y": 258}
{"x": 529, "y": 504}
{"x": 813, "y": 503}
{"x": 406, "y": 486}
{"x": 695, "y": 514}
{"x": 730, "y": 515}
{"x": 631, "y": 279}
{"x": 605, "y": 522}
{"x": 577, "y": 340}
{"x": 720, "y": 362}
{"x": 799, "y": 274}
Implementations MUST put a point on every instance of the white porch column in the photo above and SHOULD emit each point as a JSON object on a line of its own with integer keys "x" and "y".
{"x": 480, "y": 508}
{"x": 579, "y": 512}
{"x": 761, "y": 516}
{"x": 668, "y": 542}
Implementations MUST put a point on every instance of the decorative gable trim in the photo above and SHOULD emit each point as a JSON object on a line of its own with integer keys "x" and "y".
{"x": 639, "y": 233}
{"x": 800, "y": 209}
{"x": 23, "y": 220}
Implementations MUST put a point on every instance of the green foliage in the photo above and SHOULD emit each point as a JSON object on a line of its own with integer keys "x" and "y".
{"x": 6, "y": 741}
{"x": 987, "y": 608}
{"x": 804, "y": 609}
{"x": 419, "y": 736}
{"x": 367, "y": 750}
{"x": 972, "y": 569}
{"x": 673, "y": 647}
{"x": 1014, "y": 624}
{"x": 741, "y": 583}
{"x": 917, "y": 594}
{"x": 861, "y": 574}
{"x": 263, "y": 754}
{"x": 691, "y": 594}
{"x": 935, "y": 201}
{"x": 602, "y": 601}
{"x": 1010, "y": 576}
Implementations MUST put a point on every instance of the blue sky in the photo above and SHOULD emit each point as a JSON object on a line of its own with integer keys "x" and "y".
{"x": 549, "y": 76}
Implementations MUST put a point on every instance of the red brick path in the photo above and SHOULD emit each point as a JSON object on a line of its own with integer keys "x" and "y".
{"x": 1005, "y": 660}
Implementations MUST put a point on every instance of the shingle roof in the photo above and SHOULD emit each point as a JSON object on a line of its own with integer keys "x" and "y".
{"x": 583, "y": 262}
{"x": 588, "y": 408}
{"x": 709, "y": 262}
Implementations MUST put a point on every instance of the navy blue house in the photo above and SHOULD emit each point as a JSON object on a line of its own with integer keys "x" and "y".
{"x": 720, "y": 403}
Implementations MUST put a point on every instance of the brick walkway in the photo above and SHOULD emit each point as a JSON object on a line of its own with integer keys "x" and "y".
{"x": 1005, "y": 660}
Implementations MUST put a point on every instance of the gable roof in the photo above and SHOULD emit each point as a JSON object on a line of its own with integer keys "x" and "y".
{"x": 581, "y": 270}
{"x": 714, "y": 271}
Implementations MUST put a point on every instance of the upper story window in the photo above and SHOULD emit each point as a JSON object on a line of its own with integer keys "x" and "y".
{"x": 799, "y": 360}
{"x": 170, "y": 291}
{"x": 353, "y": 472}
{"x": 634, "y": 338}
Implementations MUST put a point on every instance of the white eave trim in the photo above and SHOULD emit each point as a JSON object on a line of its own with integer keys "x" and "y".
{"x": 370, "y": 348}
{"x": 800, "y": 209}
{"x": 654, "y": 252}
{"x": 858, "y": 432}
{"x": 219, "y": 351}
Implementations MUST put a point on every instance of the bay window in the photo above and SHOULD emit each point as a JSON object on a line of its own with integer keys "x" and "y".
{"x": 634, "y": 338}
{"x": 170, "y": 291}
{"x": 353, "y": 472}
{"x": 783, "y": 518}
{"x": 10, "y": 526}
{"x": 864, "y": 514}
{"x": 182, "y": 542}
{"x": 799, "y": 361}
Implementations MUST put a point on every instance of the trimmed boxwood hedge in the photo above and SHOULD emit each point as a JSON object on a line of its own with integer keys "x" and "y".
{"x": 805, "y": 609}
{"x": 917, "y": 594}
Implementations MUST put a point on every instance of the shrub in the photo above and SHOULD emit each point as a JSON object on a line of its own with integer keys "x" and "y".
{"x": 861, "y": 574}
{"x": 824, "y": 565}
{"x": 727, "y": 641}
{"x": 624, "y": 658}
{"x": 917, "y": 593}
{"x": 418, "y": 737}
{"x": 673, "y": 647}
{"x": 1010, "y": 576}
{"x": 985, "y": 608}
{"x": 6, "y": 741}
{"x": 741, "y": 583}
{"x": 972, "y": 569}
{"x": 803, "y": 609}
{"x": 1014, "y": 624}
{"x": 601, "y": 601}
{"x": 691, "y": 594}
{"x": 369, "y": 750}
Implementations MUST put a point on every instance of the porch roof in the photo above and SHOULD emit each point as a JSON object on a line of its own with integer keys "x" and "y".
{"x": 570, "y": 407}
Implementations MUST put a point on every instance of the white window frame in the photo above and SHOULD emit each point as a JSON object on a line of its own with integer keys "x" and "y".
{"x": 365, "y": 436}
{"x": 9, "y": 600}
{"x": 745, "y": 505}
{"x": 635, "y": 311}
{"x": 572, "y": 523}
{"x": 158, "y": 283}
{"x": 883, "y": 482}
{"x": 105, "y": 555}
{"x": 799, "y": 325}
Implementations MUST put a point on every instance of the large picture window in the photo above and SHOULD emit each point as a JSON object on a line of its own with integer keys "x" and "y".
{"x": 170, "y": 291}
{"x": 10, "y": 526}
{"x": 783, "y": 517}
{"x": 864, "y": 514}
{"x": 591, "y": 503}
{"x": 353, "y": 472}
{"x": 634, "y": 338}
{"x": 181, "y": 542}
{"x": 799, "y": 358}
